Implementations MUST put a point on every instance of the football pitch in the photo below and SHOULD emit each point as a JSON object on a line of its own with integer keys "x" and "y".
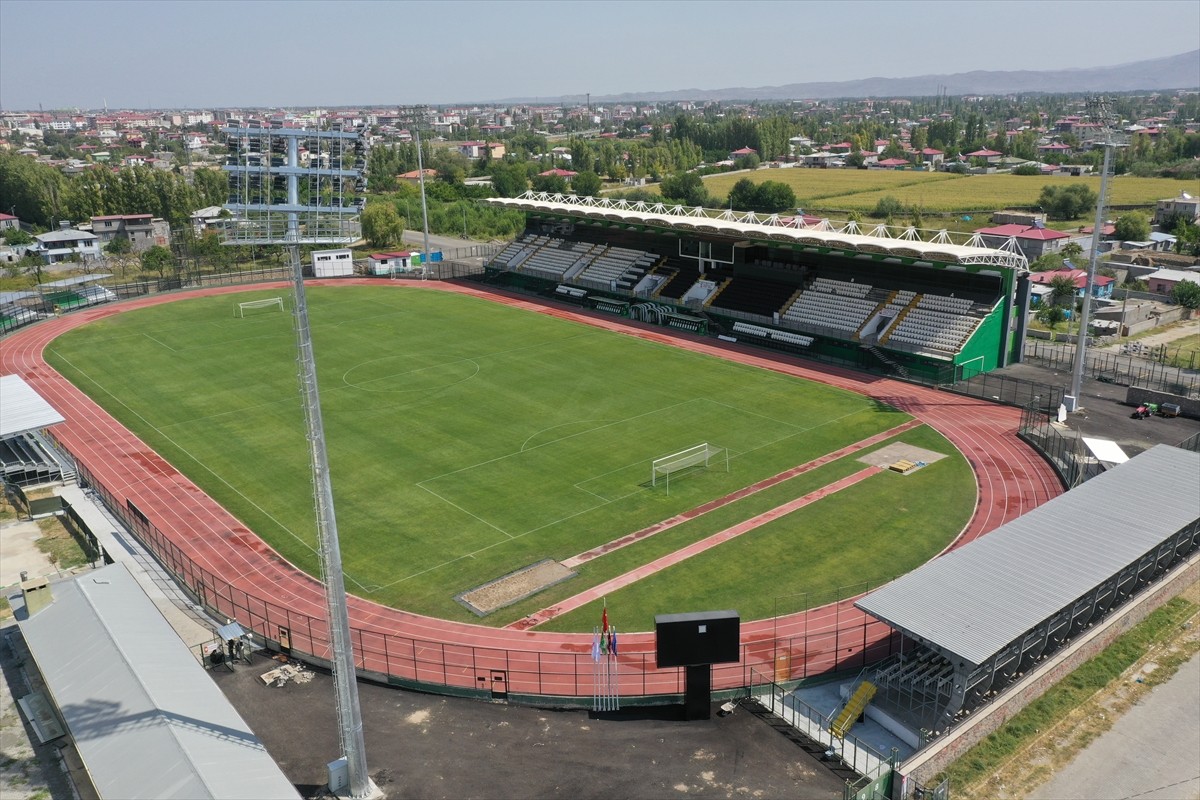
{"x": 468, "y": 440}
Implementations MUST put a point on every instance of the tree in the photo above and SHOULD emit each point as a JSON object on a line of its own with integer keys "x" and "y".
{"x": 1051, "y": 315}
{"x": 1067, "y": 202}
{"x": 686, "y": 188}
{"x": 775, "y": 196}
{"x": 1186, "y": 294}
{"x": 1187, "y": 238}
{"x": 1062, "y": 291}
{"x": 551, "y": 184}
{"x": 16, "y": 236}
{"x": 382, "y": 225}
{"x": 888, "y": 206}
{"x": 509, "y": 180}
{"x": 1132, "y": 227}
{"x": 158, "y": 259}
{"x": 32, "y": 265}
{"x": 586, "y": 184}
{"x": 119, "y": 246}
{"x": 1072, "y": 250}
{"x": 743, "y": 195}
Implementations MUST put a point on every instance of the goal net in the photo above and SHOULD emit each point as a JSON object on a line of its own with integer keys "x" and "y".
{"x": 697, "y": 457}
{"x": 252, "y": 305}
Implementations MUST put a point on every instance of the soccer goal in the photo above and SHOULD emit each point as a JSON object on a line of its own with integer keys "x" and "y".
{"x": 251, "y": 305}
{"x": 700, "y": 456}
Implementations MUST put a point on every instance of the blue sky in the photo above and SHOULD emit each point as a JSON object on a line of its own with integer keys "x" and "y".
{"x": 202, "y": 54}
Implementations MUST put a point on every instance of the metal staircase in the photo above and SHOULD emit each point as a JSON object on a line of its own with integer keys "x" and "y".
{"x": 853, "y": 710}
{"x": 882, "y": 356}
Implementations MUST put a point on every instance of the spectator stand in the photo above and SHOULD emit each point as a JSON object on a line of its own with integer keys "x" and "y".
{"x": 71, "y": 293}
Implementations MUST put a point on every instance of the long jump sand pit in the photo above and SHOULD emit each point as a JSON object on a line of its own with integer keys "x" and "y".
{"x": 514, "y": 586}
{"x": 884, "y": 457}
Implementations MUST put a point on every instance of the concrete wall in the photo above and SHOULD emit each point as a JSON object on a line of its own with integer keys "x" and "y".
{"x": 1188, "y": 407}
{"x": 923, "y": 766}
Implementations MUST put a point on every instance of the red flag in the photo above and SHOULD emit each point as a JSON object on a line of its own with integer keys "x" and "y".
{"x": 604, "y": 618}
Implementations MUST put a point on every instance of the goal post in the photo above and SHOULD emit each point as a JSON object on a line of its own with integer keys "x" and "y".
{"x": 700, "y": 455}
{"x": 251, "y": 305}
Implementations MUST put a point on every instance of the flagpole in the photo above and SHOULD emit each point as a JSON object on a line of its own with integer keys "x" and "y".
{"x": 595, "y": 668}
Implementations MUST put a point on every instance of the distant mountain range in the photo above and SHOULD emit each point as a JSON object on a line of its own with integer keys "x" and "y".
{"x": 1170, "y": 72}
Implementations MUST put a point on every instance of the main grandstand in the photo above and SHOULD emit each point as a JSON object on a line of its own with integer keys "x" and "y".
{"x": 928, "y": 307}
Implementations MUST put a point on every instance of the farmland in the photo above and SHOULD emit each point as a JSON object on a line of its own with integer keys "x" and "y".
{"x": 835, "y": 190}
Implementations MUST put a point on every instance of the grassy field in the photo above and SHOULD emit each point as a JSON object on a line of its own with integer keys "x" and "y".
{"x": 860, "y": 190}
{"x": 468, "y": 439}
{"x": 991, "y": 192}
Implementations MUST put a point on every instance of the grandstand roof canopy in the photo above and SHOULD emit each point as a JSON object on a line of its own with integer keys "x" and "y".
{"x": 974, "y": 601}
{"x": 22, "y": 409}
{"x": 875, "y": 240}
{"x": 76, "y": 281}
{"x": 146, "y": 720}
{"x": 12, "y": 297}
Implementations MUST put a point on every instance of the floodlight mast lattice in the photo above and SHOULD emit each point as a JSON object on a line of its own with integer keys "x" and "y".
{"x": 1101, "y": 113}
{"x": 264, "y": 162}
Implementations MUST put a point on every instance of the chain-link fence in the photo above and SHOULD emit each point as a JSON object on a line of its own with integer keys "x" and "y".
{"x": 1008, "y": 390}
{"x": 1132, "y": 364}
{"x": 1065, "y": 453}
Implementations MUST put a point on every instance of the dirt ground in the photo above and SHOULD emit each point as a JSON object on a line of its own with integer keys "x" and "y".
{"x": 1036, "y": 763}
{"x": 511, "y": 588}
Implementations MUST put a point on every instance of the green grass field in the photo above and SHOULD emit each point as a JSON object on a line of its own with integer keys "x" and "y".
{"x": 468, "y": 439}
{"x": 861, "y": 190}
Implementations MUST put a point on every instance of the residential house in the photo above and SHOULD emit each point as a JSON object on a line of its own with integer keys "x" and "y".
{"x": 142, "y": 231}
{"x": 209, "y": 219}
{"x": 476, "y": 150}
{"x": 1034, "y": 241}
{"x": 1184, "y": 206}
{"x": 893, "y": 163}
{"x": 1102, "y": 286}
{"x": 742, "y": 152}
{"x": 933, "y": 156}
{"x": 415, "y": 175}
{"x": 66, "y": 244}
{"x": 990, "y": 156}
{"x": 1054, "y": 149}
{"x": 1164, "y": 281}
{"x": 8, "y": 221}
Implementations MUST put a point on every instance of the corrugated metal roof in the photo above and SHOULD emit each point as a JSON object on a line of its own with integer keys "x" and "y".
{"x": 23, "y": 409}
{"x": 975, "y": 600}
{"x": 146, "y": 720}
{"x": 686, "y": 220}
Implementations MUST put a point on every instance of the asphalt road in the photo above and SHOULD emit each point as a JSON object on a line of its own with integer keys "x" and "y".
{"x": 1152, "y": 752}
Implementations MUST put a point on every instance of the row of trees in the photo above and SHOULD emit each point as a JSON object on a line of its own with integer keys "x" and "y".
{"x": 42, "y": 195}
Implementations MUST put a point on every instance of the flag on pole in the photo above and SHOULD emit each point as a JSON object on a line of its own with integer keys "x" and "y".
{"x": 612, "y": 642}
{"x": 604, "y": 643}
{"x": 604, "y": 617}
{"x": 595, "y": 646}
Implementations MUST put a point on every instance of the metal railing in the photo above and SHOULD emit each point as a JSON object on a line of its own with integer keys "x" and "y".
{"x": 829, "y": 639}
{"x": 1148, "y": 369}
{"x": 1065, "y": 453}
{"x": 812, "y": 724}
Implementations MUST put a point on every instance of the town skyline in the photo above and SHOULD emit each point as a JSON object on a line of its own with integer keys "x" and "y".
{"x": 269, "y": 54}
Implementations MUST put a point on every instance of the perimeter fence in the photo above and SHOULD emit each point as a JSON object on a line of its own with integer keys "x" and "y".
{"x": 818, "y": 641}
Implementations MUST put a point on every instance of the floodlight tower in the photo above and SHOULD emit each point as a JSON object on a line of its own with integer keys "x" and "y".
{"x": 291, "y": 186}
{"x": 1074, "y": 402}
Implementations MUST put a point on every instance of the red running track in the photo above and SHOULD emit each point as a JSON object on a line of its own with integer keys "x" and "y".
{"x": 237, "y": 575}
